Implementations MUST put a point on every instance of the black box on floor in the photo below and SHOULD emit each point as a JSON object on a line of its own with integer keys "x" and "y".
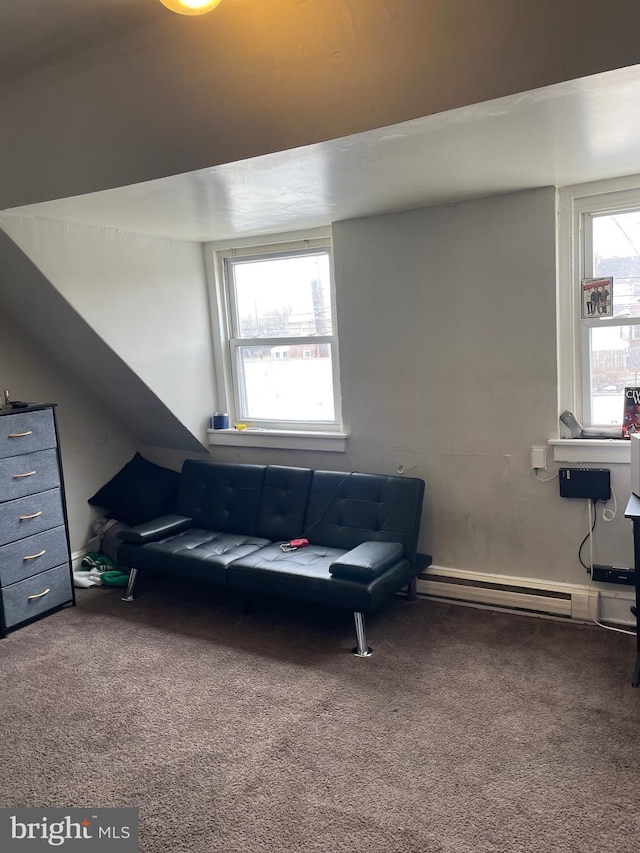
{"x": 587, "y": 483}
{"x": 614, "y": 574}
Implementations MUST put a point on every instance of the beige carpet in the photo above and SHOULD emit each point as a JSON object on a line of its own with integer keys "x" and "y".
{"x": 467, "y": 731}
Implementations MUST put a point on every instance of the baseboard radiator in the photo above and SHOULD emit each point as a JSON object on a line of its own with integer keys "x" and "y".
{"x": 608, "y": 603}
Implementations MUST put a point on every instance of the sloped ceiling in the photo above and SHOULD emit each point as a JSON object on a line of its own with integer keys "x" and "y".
{"x": 568, "y": 133}
{"x": 36, "y": 306}
{"x": 110, "y": 93}
{"x": 38, "y": 34}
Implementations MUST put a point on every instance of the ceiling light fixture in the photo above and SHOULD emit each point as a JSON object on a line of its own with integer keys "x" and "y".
{"x": 190, "y": 7}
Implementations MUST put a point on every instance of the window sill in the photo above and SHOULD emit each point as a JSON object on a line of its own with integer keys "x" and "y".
{"x": 609, "y": 450}
{"x": 284, "y": 439}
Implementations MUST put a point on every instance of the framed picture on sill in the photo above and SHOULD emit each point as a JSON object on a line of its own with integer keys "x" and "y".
{"x": 597, "y": 297}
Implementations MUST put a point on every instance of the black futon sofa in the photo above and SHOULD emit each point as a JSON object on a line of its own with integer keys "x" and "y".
{"x": 231, "y": 520}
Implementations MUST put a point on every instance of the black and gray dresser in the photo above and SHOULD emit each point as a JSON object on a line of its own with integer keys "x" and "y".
{"x": 35, "y": 565}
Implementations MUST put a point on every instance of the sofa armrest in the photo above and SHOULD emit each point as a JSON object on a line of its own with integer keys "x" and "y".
{"x": 367, "y": 561}
{"x": 159, "y": 528}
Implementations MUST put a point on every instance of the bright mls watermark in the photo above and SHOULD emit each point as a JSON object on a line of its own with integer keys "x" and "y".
{"x": 115, "y": 830}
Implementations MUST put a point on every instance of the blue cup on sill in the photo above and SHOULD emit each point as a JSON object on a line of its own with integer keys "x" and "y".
{"x": 219, "y": 420}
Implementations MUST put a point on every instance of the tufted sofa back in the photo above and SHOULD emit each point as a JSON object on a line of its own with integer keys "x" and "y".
{"x": 220, "y": 496}
{"x": 283, "y": 505}
{"x": 346, "y": 510}
{"x": 279, "y": 502}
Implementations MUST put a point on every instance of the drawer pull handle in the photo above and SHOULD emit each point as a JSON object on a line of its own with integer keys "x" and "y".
{"x": 27, "y": 474}
{"x": 20, "y": 434}
{"x": 35, "y": 556}
{"x": 38, "y": 595}
{"x": 27, "y": 517}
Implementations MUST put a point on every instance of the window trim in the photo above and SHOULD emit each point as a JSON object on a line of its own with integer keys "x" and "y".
{"x": 573, "y": 204}
{"x": 222, "y": 330}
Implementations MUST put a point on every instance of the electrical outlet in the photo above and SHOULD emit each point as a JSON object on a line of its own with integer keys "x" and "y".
{"x": 539, "y": 458}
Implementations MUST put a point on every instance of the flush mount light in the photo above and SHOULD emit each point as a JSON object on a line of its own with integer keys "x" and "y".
{"x": 190, "y": 7}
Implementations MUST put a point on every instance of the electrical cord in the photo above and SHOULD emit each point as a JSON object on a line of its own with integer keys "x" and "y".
{"x": 545, "y": 479}
{"x": 608, "y": 514}
{"x": 588, "y": 536}
{"x": 329, "y": 503}
{"x": 609, "y": 627}
{"x": 589, "y": 568}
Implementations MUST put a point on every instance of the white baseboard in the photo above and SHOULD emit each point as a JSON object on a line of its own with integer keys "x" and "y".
{"x": 76, "y": 559}
{"x": 580, "y": 602}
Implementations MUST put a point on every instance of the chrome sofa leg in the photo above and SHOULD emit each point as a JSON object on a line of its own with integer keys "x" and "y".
{"x": 362, "y": 650}
{"x": 133, "y": 576}
{"x": 412, "y": 589}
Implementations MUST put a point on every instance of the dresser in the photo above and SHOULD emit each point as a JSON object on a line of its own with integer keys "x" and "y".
{"x": 35, "y": 565}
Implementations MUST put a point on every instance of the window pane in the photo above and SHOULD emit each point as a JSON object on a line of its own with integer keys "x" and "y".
{"x": 288, "y": 383}
{"x": 282, "y": 297}
{"x": 616, "y": 252}
{"x": 615, "y": 363}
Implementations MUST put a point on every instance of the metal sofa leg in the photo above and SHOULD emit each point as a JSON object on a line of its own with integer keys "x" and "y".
{"x": 133, "y": 576}
{"x": 362, "y": 650}
{"x": 412, "y": 589}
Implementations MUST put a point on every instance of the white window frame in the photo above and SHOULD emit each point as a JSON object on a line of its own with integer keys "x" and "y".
{"x": 324, "y": 435}
{"x": 574, "y": 258}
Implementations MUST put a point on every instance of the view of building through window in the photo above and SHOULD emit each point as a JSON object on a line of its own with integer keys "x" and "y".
{"x": 614, "y": 342}
{"x": 282, "y": 336}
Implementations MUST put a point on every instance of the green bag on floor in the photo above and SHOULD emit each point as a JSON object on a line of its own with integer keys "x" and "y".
{"x": 115, "y": 578}
{"x": 100, "y": 562}
{"x": 110, "y": 573}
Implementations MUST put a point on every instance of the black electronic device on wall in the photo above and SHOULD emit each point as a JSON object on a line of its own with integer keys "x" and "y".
{"x": 588, "y": 483}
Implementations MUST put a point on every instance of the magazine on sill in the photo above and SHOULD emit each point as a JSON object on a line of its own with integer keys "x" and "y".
{"x": 631, "y": 411}
{"x": 597, "y": 297}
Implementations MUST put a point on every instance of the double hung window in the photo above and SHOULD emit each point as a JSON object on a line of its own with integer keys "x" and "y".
{"x": 606, "y": 350}
{"x": 280, "y": 354}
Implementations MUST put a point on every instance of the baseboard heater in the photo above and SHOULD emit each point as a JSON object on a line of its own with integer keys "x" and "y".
{"x": 495, "y": 594}
{"x": 528, "y": 595}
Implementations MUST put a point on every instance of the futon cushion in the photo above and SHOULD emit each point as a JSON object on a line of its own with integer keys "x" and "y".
{"x": 220, "y": 495}
{"x": 196, "y": 553}
{"x": 159, "y": 528}
{"x": 346, "y": 510}
{"x": 367, "y": 561}
{"x": 283, "y": 502}
{"x": 305, "y": 575}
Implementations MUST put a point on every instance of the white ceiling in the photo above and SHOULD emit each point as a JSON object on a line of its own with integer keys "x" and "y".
{"x": 568, "y": 133}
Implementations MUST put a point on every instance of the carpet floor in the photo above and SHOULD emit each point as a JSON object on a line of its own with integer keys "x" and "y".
{"x": 467, "y": 731}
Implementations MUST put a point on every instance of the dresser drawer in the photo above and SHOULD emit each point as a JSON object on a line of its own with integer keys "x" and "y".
{"x": 27, "y": 557}
{"x": 27, "y": 516}
{"x": 28, "y": 474}
{"x": 36, "y": 595}
{"x": 27, "y": 431}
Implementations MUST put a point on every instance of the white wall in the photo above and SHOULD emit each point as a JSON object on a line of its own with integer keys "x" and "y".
{"x": 93, "y": 444}
{"x": 144, "y": 296}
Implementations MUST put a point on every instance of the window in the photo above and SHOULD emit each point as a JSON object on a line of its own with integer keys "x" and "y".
{"x": 279, "y": 327}
{"x": 606, "y": 346}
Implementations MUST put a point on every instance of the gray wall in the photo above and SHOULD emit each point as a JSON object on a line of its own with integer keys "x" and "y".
{"x": 94, "y": 445}
{"x": 447, "y": 336}
{"x": 447, "y": 331}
